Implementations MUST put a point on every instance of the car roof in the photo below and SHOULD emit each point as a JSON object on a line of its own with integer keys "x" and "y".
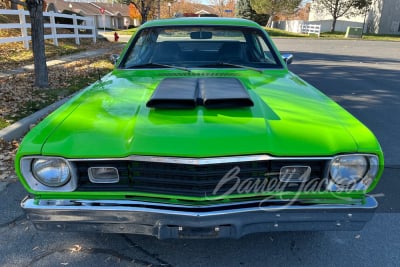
{"x": 206, "y": 21}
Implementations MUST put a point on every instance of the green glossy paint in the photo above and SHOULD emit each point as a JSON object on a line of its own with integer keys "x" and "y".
{"x": 110, "y": 120}
{"x": 289, "y": 118}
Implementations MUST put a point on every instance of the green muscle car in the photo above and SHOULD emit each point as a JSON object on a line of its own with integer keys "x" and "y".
{"x": 200, "y": 131}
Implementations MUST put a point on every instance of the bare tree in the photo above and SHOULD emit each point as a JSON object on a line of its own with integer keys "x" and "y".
{"x": 273, "y": 7}
{"x": 5, "y": 4}
{"x": 222, "y": 7}
{"x": 145, "y": 7}
{"x": 340, "y": 8}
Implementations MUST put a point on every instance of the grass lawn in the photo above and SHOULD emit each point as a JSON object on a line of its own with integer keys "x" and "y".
{"x": 127, "y": 32}
{"x": 333, "y": 35}
{"x": 19, "y": 98}
{"x": 282, "y": 33}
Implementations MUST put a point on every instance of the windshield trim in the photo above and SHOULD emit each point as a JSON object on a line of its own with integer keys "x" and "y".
{"x": 275, "y": 54}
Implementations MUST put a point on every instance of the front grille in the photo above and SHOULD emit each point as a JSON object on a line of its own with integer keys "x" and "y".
{"x": 198, "y": 180}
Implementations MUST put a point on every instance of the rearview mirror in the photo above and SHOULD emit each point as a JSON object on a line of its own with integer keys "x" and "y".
{"x": 201, "y": 35}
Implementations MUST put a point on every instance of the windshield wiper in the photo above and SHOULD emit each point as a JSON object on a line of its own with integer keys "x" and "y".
{"x": 218, "y": 64}
{"x": 154, "y": 64}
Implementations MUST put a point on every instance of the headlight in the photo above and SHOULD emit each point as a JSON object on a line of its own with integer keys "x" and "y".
{"x": 53, "y": 172}
{"x": 355, "y": 171}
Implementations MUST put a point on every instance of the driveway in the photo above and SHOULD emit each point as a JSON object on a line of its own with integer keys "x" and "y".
{"x": 363, "y": 77}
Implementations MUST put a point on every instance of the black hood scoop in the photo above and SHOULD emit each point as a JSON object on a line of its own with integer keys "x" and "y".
{"x": 187, "y": 93}
{"x": 201, "y": 74}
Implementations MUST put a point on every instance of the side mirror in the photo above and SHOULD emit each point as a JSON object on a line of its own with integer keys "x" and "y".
{"x": 288, "y": 58}
{"x": 114, "y": 58}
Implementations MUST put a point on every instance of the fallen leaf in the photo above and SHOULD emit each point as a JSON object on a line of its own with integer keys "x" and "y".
{"x": 76, "y": 248}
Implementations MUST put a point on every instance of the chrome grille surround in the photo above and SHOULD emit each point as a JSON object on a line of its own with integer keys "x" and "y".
{"x": 197, "y": 177}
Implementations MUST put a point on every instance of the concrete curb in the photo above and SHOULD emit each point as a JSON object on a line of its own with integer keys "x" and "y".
{"x": 21, "y": 127}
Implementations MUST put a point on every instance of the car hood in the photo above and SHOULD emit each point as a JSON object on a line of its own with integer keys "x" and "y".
{"x": 288, "y": 118}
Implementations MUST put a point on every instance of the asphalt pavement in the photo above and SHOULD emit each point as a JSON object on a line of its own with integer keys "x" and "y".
{"x": 363, "y": 77}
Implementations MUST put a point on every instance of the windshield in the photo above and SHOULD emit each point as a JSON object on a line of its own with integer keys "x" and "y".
{"x": 200, "y": 47}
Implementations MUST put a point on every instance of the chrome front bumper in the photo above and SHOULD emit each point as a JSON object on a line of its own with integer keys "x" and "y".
{"x": 176, "y": 221}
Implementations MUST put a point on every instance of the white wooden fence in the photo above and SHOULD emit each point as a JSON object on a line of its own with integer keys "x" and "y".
{"x": 87, "y": 24}
{"x": 311, "y": 28}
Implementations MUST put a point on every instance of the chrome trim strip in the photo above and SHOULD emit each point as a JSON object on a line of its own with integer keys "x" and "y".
{"x": 206, "y": 160}
{"x": 203, "y": 161}
{"x": 133, "y": 203}
{"x": 148, "y": 207}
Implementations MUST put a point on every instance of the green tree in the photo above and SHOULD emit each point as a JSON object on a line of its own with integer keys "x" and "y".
{"x": 274, "y": 7}
{"x": 244, "y": 10}
{"x": 340, "y": 8}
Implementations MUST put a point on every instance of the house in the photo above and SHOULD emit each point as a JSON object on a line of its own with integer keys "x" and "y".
{"x": 105, "y": 15}
{"x": 189, "y": 9}
{"x": 383, "y": 17}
